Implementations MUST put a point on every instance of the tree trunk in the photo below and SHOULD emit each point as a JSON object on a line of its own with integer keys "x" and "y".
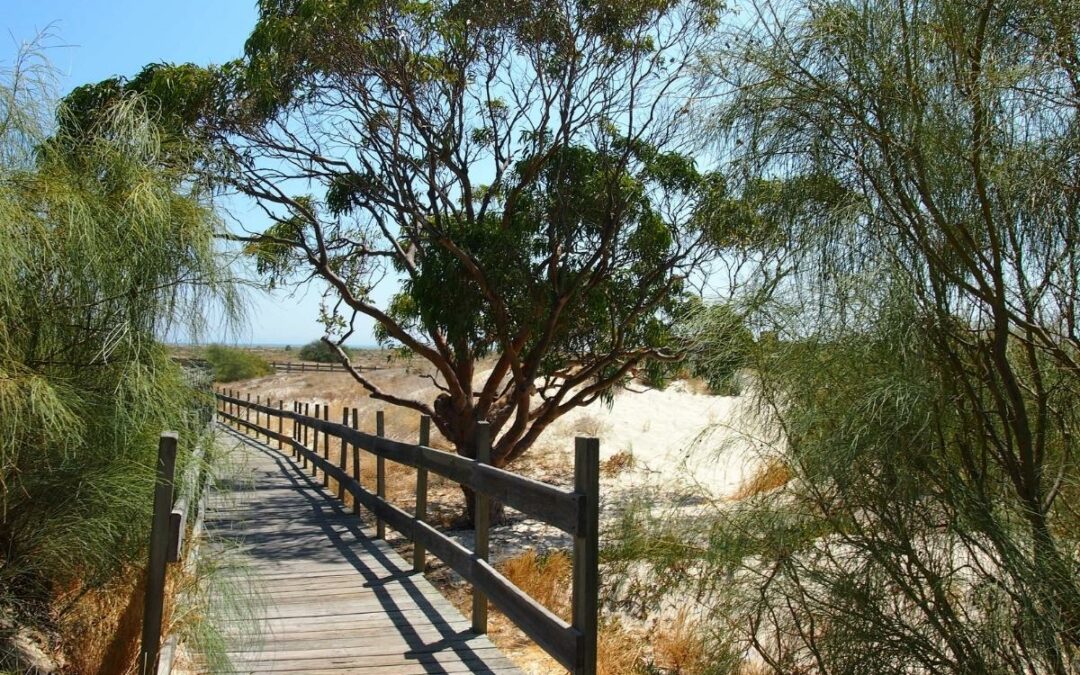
{"x": 497, "y": 510}
{"x": 465, "y": 446}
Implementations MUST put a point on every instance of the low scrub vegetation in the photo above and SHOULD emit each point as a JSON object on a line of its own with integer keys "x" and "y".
{"x": 320, "y": 352}
{"x": 230, "y": 364}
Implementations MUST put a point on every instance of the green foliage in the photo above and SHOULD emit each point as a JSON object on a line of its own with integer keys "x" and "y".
{"x": 720, "y": 347}
{"x": 107, "y": 246}
{"x": 570, "y": 204}
{"x": 230, "y": 364}
{"x": 918, "y": 370}
{"x": 320, "y": 352}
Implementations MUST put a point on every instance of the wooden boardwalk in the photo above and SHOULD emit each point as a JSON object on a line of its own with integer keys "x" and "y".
{"x": 333, "y": 598}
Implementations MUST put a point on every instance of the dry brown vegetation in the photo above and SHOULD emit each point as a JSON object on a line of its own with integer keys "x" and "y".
{"x": 622, "y": 460}
{"x": 674, "y": 646}
{"x": 546, "y": 578}
{"x": 619, "y": 652}
{"x": 773, "y": 474}
{"x": 102, "y": 626}
{"x": 678, "y": 645}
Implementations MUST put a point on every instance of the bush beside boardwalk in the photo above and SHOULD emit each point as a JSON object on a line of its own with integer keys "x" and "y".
{"x": 107, "y": 244}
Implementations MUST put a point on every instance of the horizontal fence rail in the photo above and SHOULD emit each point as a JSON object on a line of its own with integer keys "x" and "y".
{"x": 285, "y": 366}
{"x": 576, "y": 512}
{"x": 317, "y": 367}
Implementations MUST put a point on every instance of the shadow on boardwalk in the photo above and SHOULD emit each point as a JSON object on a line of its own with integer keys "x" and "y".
{"x": 336, "y": 599}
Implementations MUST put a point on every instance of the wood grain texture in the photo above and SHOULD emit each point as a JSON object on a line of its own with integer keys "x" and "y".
{"x": 333, "y": 599}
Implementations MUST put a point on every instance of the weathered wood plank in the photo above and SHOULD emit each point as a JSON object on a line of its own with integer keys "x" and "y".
{"x": 336, "y": 600}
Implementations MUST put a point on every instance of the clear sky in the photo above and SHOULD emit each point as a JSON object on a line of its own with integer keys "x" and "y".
{"x": 96, "y": 39}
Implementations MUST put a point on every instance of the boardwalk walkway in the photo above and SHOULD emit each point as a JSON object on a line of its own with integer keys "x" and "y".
{"x": 336, "y": 599}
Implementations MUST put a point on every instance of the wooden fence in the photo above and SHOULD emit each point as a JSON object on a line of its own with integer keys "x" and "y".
{"x": 312, "y": 366}
{"x": 575, "y": 512}
{"x": 283, "y": 366}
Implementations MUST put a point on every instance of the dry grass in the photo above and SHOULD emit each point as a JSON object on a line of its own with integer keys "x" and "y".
{"x": 618, "y": 651}
{"x": 591, "y": 425}
{"x": 679, "y": 646}
{"x": 102, "y": 627}
{"x": 621, "y": 461}
{"x": 547, "y": 578}
{"x": 773, "y": 474}
{"x": 544, "y": 577}
{"x": 697, "y": 385}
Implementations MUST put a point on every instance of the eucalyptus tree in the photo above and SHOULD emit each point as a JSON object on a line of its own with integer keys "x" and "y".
{"x": 522, "y": 169}
{"x": 924, "y": 379}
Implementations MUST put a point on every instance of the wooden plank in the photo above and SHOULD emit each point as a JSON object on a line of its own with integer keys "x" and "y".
{"x": 355, "y": 458}
{"x": 481, "y": 527}
{"x": 280, "y": 422}
{"x": 372, "y": 639}
{"x": 420, "y": 512}
{"x": 342, "y": 456}
{"x": 336, "y": 600}
{"x": 305, "y": 665}
{"x": 380, "y": 472}
{"x": 326, "y": 443}
{"x": 376, "y": 669}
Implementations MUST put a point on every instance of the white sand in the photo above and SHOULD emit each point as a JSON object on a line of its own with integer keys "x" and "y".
{"x": 676, "y": 437}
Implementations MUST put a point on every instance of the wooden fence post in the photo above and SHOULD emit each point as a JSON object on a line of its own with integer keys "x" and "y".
{"x": 258, "y": 424}
{"x": 153, "y": 606}
{"x": 482, "y": 527}
{"x": 587, "y": 553}
{"x": 419, "y": 558}
{"x": 295, "y": 428}
{"x": 356, "y": 461}
{"x": 280, "y": 423}
{"x": 247, "y": 414}
{"x": 380, "y": 473}
{"x": 343, "y": 456}
{"x": 325, "y": 445}
{"x": 307, "y": 410}
{"x": 315, "y": 441}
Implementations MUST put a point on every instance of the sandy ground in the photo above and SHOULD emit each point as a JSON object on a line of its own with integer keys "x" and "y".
{"x": 675, "y": 437}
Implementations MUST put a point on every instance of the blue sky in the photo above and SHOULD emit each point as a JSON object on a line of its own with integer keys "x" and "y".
{"x": 96, "y": 39}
